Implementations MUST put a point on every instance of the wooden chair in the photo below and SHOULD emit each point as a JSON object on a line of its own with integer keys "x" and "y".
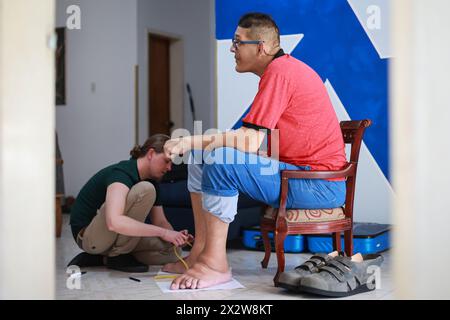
{"x": 300, "y": 221}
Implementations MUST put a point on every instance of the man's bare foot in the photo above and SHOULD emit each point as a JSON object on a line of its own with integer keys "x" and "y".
{"x": 200, "y": 276}
{"x": 178, "y": 267}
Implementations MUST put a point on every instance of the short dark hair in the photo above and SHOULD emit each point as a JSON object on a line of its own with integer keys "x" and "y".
{"x": 259, "y": 23}
{"x": 155, "y": 142}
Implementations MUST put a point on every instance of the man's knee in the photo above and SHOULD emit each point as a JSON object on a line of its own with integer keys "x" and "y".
{"x": 142, "y": 194}
{"x": 222, "y": 162}
{"x": 141, "y": 190}
{"x": 144, "y": 187}
{"x": 223, "y": 155}
{"x": 216, "y": 175}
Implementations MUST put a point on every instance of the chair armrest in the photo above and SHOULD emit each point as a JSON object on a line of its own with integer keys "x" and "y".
{"x": 349, "y": 170}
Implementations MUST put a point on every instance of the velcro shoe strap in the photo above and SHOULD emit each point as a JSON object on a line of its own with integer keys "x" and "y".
{"x": 345, "y": 261}
{"x": 334, "y": 272}
{"x": 308, "y": 265}
{"x": 339, "y": 266}
{"x": 315, "y": 262}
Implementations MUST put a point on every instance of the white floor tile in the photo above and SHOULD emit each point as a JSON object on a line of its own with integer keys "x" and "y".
{"x": 102, "y": 283}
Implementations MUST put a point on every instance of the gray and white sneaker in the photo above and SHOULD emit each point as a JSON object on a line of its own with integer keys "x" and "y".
{"x": 342, "y": 277}
{"x": 291, "y": 279}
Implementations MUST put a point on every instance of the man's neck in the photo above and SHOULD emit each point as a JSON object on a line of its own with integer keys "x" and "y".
{"x": 263, "y": 66}
{"x": 267, "y": 60}
{"x": 143, "y": 172}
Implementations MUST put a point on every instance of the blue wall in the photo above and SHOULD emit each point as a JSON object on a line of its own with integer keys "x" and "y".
{"x": 338, "y": 48}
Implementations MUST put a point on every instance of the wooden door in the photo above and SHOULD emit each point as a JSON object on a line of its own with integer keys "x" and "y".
{"x": 159, "y": 85}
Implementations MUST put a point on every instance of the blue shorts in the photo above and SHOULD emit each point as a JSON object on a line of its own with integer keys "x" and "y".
{"x": 220, "y": 175}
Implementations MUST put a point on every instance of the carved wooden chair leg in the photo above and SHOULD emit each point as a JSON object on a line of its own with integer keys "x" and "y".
{"x": 337, "y": 241}
{"x": 267, "y": 248}
{"x": 348, "y": 242}
{"x": 279, "y": 248}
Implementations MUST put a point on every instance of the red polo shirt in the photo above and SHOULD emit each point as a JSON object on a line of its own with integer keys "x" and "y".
{"x": 293, "y": 99}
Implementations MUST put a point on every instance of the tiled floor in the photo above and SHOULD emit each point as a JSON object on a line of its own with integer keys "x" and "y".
{"x": 102, "y": 283}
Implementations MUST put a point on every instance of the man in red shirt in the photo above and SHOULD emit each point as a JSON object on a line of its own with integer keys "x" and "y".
{"x": 291, "y": 103}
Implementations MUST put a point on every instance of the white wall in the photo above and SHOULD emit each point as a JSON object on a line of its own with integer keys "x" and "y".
{"x": 27, "y": 150}
{"x": 421, "y": 148}
{"x": 97, "y": 128}
{"x": 193, "y": 22}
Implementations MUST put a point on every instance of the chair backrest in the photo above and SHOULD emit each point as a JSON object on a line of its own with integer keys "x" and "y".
{"x": 353, "y": 132}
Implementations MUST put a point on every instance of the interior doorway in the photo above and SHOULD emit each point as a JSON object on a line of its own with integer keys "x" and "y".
{"x": 165, "y": 108}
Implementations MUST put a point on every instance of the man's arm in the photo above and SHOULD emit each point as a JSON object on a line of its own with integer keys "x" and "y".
{"x": 243, "y": 139}
{"x": 117, "y": 221}
{"x": 159, "y": 218}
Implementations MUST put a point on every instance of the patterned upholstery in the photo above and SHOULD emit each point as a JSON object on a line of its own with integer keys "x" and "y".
{"x": 308, "y": 215}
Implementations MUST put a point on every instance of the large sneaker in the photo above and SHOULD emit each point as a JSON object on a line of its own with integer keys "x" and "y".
{"x": 126, "y": 263}
{"x": 291, "y": 279}
{"x": 343, "y": 277}
{"x": 85, "y": 259}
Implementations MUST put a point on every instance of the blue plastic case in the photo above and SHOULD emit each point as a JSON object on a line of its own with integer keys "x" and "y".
{"x": 252, "y": 239}
{"x": 367, "y": 238}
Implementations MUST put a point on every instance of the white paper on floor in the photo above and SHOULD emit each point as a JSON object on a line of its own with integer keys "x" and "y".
{"x": 164, "y": 285}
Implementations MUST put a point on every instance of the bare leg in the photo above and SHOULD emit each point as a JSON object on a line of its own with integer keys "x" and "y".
{"x": 200, "y": 236}
{"x": 211, "y": 267}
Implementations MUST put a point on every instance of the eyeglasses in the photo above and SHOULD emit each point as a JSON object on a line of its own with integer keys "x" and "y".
{"x": 237, "y": 43}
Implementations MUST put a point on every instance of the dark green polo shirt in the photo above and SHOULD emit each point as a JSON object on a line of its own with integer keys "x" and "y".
{"x": 93, "y": 194}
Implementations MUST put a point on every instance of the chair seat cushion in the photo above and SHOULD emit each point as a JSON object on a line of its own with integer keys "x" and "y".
{"x": 308, "y": 215}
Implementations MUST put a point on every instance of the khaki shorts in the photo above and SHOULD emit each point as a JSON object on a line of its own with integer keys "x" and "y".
{"x": 96, "y": 238}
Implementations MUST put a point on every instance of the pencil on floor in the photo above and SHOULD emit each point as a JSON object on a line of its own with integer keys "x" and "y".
{"x": 134, "y": 279}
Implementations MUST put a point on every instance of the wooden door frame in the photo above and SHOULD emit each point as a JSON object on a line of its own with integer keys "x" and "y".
{"x": 159, "y": 115}
{"x": 177, "y": 83}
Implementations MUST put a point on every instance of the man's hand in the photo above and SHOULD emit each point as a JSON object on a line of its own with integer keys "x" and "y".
{"x": 190, "y": 238}
{"x": 177, "y": 147}
{"x": 175, "y": 237}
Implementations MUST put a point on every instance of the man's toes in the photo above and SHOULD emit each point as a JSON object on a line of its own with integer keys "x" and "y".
{"x": 188, "y": 283}
{"x": 183, "y": 282}
{"x": 194, "y": 283}
{"x": 176, "y": 283}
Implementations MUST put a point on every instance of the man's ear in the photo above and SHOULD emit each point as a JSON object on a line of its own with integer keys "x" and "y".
{"x": 150, "y": 153}
{"x": 261, "y": 49}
